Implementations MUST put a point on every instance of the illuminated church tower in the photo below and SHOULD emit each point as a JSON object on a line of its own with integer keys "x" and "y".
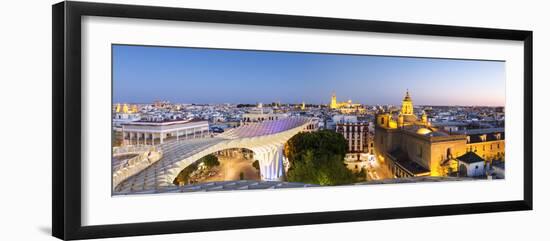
{"x": 125, "y": 108}
{"x": 407, "y": 105}
{"x": 333, "y": 103}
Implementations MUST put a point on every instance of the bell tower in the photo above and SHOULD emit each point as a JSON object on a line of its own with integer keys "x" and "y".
{"x": 333, "y": 104}
{"x": 407, "y": 105}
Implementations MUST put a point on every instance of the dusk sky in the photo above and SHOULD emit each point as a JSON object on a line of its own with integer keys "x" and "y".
{"x": 194, "y": 75}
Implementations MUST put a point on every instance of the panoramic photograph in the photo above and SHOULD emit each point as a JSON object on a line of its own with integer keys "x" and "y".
{"x": 201, "y": 119}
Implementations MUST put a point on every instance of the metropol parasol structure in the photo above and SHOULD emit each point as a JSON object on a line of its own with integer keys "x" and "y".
{"x": 266, "y": 139}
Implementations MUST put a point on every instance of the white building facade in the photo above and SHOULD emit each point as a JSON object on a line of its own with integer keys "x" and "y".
{"x": 260, "y": 114}
{"x": 152, "y": 133}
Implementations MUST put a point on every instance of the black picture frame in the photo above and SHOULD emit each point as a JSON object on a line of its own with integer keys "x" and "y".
{"x": 66, "y": 127}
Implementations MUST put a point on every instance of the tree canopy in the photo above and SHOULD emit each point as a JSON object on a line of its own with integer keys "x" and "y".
{"x": 210, "y": 160}
{"x": 184, "y": 175}
{"x": 318, "y": 158}
{"x": 256, "y": 164}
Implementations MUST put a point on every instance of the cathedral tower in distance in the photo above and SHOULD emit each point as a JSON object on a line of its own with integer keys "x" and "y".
{"x": 407, "y": 105}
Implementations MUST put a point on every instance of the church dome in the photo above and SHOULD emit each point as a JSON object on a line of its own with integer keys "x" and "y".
{"x": 423, "y": 131}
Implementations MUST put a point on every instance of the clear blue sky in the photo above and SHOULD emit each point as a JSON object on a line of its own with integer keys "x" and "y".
{"x": 194, "y": 75}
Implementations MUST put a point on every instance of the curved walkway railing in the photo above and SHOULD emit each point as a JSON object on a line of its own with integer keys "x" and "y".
{"x": 123, "y": 150}
{"x": 124, "y": 169}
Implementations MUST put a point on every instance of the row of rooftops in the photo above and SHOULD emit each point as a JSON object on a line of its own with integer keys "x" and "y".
{"x": 473, "y": 135}
{"x": 163, "y": 122}
{"x": 479, "y": 131}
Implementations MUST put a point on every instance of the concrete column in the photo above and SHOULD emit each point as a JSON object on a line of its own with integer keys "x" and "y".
{"x": 161, "y": 136}
{"x": 178, "y": 135}
{"x": 271, "y": 163}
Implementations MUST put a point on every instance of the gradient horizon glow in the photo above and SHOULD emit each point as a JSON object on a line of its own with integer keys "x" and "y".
{"x": 143, "y": 74}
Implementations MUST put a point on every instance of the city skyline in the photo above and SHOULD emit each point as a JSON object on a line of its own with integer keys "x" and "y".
{"x": 143, "y": 74}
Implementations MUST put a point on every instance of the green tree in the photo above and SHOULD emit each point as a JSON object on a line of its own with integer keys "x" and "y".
{"x": 183, "y": 176}
{"x": 318, "y": 158}
{"x": 256, "y": 164}
{"x": 210, "y": 160}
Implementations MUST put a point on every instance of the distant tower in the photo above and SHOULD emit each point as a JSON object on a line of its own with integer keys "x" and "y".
{"x": 407, "y": 105}
{"x": 333, "y": 103}
{"x": 118, "y": 108}
{"x": 424, "y": 118}
{"x": 125, "y": 108}
{"x": 303, "y": 107}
